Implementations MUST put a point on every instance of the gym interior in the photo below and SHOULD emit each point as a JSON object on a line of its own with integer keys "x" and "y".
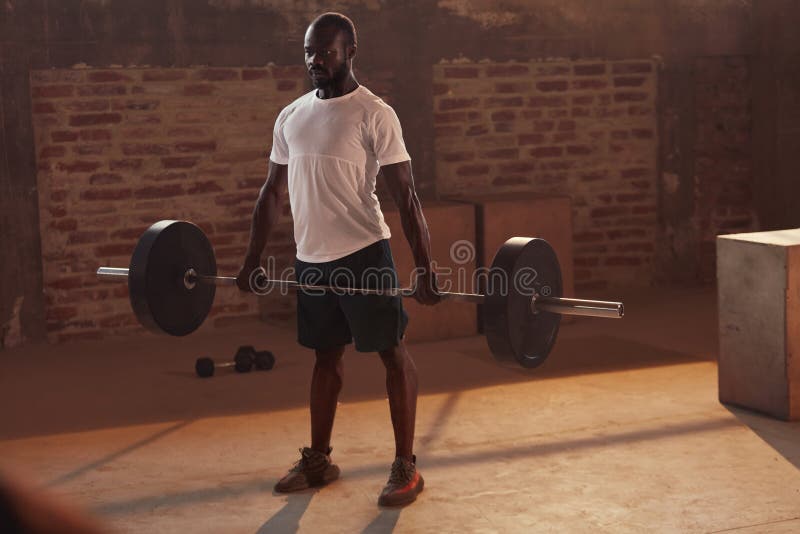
{"x": 650, "y": 146}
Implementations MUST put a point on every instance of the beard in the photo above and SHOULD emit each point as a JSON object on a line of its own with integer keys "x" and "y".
{"x": 339, "y": 75}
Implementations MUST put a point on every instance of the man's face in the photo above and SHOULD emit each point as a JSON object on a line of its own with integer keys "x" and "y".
{"x": 326, "y": 55}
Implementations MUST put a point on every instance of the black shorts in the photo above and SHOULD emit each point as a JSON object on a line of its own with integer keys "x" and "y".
{"x": 331, "y": 319}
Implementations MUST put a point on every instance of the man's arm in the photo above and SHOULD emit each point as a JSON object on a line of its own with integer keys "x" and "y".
{"x": 265, "y": 215}
{"x": 400, "y": 182}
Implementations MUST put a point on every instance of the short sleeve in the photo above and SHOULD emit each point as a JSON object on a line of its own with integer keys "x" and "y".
{"x": 280, "y": 150}
{"x": 387, "y": 137}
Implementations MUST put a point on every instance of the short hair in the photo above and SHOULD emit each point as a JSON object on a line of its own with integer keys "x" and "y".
{"x": 340, "y": 22}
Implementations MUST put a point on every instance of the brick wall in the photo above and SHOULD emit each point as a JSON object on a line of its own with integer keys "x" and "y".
{"x": 723, "y": 188}
{"x": 120, "y": 149}
{"x": 582, "y": 128}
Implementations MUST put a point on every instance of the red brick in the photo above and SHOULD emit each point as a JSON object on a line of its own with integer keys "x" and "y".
{"x": 562, "y": 137}
{"x": 139, "y": 133}
{"x": 102, "y": 90}
{"x": 586, "y": 262}
{"x": 52, "y": 151}
{"x": 586, "y": 237}
{"x": 79, "y": 166}
{"x": 643, "y": 210}
{"x": 566, "y": 126}
{"x": 95, "y": 135}
{"x": 640, "y": 184}
{"x": 623, "y": 260}
{"x": 580, "y": 85}
{"x": 187, "y": 131}
{"x": 641, "y": 133}
{"x": 634, "y": 247}
{"x": 136, "y": 105}
{"x": 509, "y": 180}
{"x": 504, "y": 127}
{"x": 294, "y": 72}
{"x": 81, "y": 237}
{"x": 440, "y": 89}
{"x": 504, "y": 102}
{"x": 495, "y": 71}
{"x": 589, "y": 70}
{"x": 125, "y": 164}
{"x": 512, "y": 87}
{"x": 95, "y": 118}
{"x": 179, "y": 163}
{"x": 165, "y": 176}
{"x": 196, "y": 146}
{"x": 580, "y": 112}
{"x": 609, "y": 211}
{"x": 461, "y": 72}
{"x": 40, "y": 108}
{"x": 52, "y": 91}
{"x": 241, "y": 225}
{"x": 286, "y": 85}
{"x": 456, "y": 116}
{"x": 638, "y": 172}
{"x": 203, "y": 89}
{"x": 97, "y": 149}
{"x": 170, "y": 190}
{"x": 517, "y": 166}
{"x": 626, "y": 233}
{"x": 106, "y": 194}
{"x": 167, "y": 75}
{"x": 640, "y": 111}
{"x": 630, "y": 97}
{"x": 477, "y": 169}
{"x": 478, "y": 129}
{"x": 546, "y": 152}
{"x": 87, "y": 105}
{"x": 63, "y": 313}
{"x": 140, "y": 149}
{"x": 249, "y": 183}
{"x": 501, "y": 153}
{"x": 127, "y": 233}
{"x": 115, "y": 249}
{"x": 504, "y": 115}
{"x": 216, "y": 75}
{"x": 105, "y": 178}
{"x": 631, "y": 68}
{"x": 235, "y": 198}
{"x": 627, "y": 198}
{"x": 579, "y": 150}
{"x": 447, "y": 104}
{"x": 108, "y": 76}
{"x": 205, "y": 187}
{"x": 543, "y": 126}
{"x": 629, "y": 81}
{"x": 254, "y": 74}
{"x": 463, "y": 155}
{"x": 550, "y": 86}
{"x": 547, "y": 101}
{"x": 59, "y": 196}
{"x": 530, "y": 139}
{"x": 619, "y": 134}
{"x": 582, "y": 100}
{"x": 550, "y": 70}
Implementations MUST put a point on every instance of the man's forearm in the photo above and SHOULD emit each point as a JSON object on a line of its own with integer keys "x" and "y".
{"x": 416, "y": 230}
{"x": 265, "y": 216}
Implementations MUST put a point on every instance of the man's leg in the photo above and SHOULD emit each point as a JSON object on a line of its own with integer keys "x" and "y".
{"x": 401, "y": 385}
{"x": 326, "y": 383}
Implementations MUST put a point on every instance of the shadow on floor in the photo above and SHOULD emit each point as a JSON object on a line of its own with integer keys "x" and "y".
{"x": 287, "y": 519}
{"x": 141, "y": 383}
{"x": 196, "y": 496}
{"x": 783, "y": 436}
{"x": 383, "y": 523}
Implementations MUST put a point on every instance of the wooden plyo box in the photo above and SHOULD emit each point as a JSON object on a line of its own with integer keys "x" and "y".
{"x": 499, "y": 217}
{"x": 758, "y": 284}
{"x": 451, "y": 225}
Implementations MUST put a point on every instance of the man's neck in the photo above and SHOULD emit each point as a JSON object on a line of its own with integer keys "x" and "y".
{"x": 348, "y": 85}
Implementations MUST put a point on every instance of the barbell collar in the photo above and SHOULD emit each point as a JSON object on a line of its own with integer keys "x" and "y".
{"x": 589, "y": 308}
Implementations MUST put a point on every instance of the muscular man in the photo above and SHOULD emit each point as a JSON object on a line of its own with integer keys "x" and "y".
{"x": 330, "y": 144}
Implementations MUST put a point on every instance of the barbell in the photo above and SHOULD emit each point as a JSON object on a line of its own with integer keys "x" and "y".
{"x": 172, "y": 280}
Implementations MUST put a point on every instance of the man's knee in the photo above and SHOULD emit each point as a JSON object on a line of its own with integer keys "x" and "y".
{"x": 329, "y": 357}
{"x": 396, "y": 357}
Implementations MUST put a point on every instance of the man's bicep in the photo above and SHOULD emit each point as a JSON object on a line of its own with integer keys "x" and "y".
{"x": 399, "y": 179}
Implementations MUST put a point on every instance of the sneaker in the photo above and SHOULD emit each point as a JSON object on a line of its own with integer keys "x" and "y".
{"x": 312, "y": 469}
{"x": 405, "y": 483}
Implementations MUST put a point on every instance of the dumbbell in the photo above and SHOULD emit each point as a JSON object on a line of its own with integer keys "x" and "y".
{"x": 263, "y": 360}
{"x": 243, "y": 361}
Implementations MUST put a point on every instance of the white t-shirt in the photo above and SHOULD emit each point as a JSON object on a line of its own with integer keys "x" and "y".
{"x": 334, "y": 148}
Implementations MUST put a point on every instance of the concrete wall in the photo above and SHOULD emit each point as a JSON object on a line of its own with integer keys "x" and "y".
{"x": 740, "y": 40}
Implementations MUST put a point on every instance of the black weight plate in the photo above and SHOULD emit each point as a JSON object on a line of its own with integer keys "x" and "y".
{"x": 158, "y": 295}
{"x": 522, "y": 266}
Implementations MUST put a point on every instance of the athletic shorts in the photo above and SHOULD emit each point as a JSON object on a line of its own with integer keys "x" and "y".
{"x": 328, "y": 319}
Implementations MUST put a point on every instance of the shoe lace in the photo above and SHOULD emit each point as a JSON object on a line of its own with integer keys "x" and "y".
{"x": 402, "y": 472}
{"x": 301, "y": 464}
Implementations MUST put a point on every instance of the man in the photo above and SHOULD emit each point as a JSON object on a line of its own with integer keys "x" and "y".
{"x": 330, "y": 145}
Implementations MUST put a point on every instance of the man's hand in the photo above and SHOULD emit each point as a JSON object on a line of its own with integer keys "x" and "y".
{"x": 243, "y": 278}
{"x": 427, "y": 291}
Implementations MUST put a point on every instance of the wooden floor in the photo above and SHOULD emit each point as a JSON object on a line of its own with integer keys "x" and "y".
{"x": 620, "y": 431}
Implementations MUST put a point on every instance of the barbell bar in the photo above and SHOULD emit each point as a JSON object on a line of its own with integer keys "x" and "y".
{"x": 172, "y": 282}
{"x": 564, "y": 306}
